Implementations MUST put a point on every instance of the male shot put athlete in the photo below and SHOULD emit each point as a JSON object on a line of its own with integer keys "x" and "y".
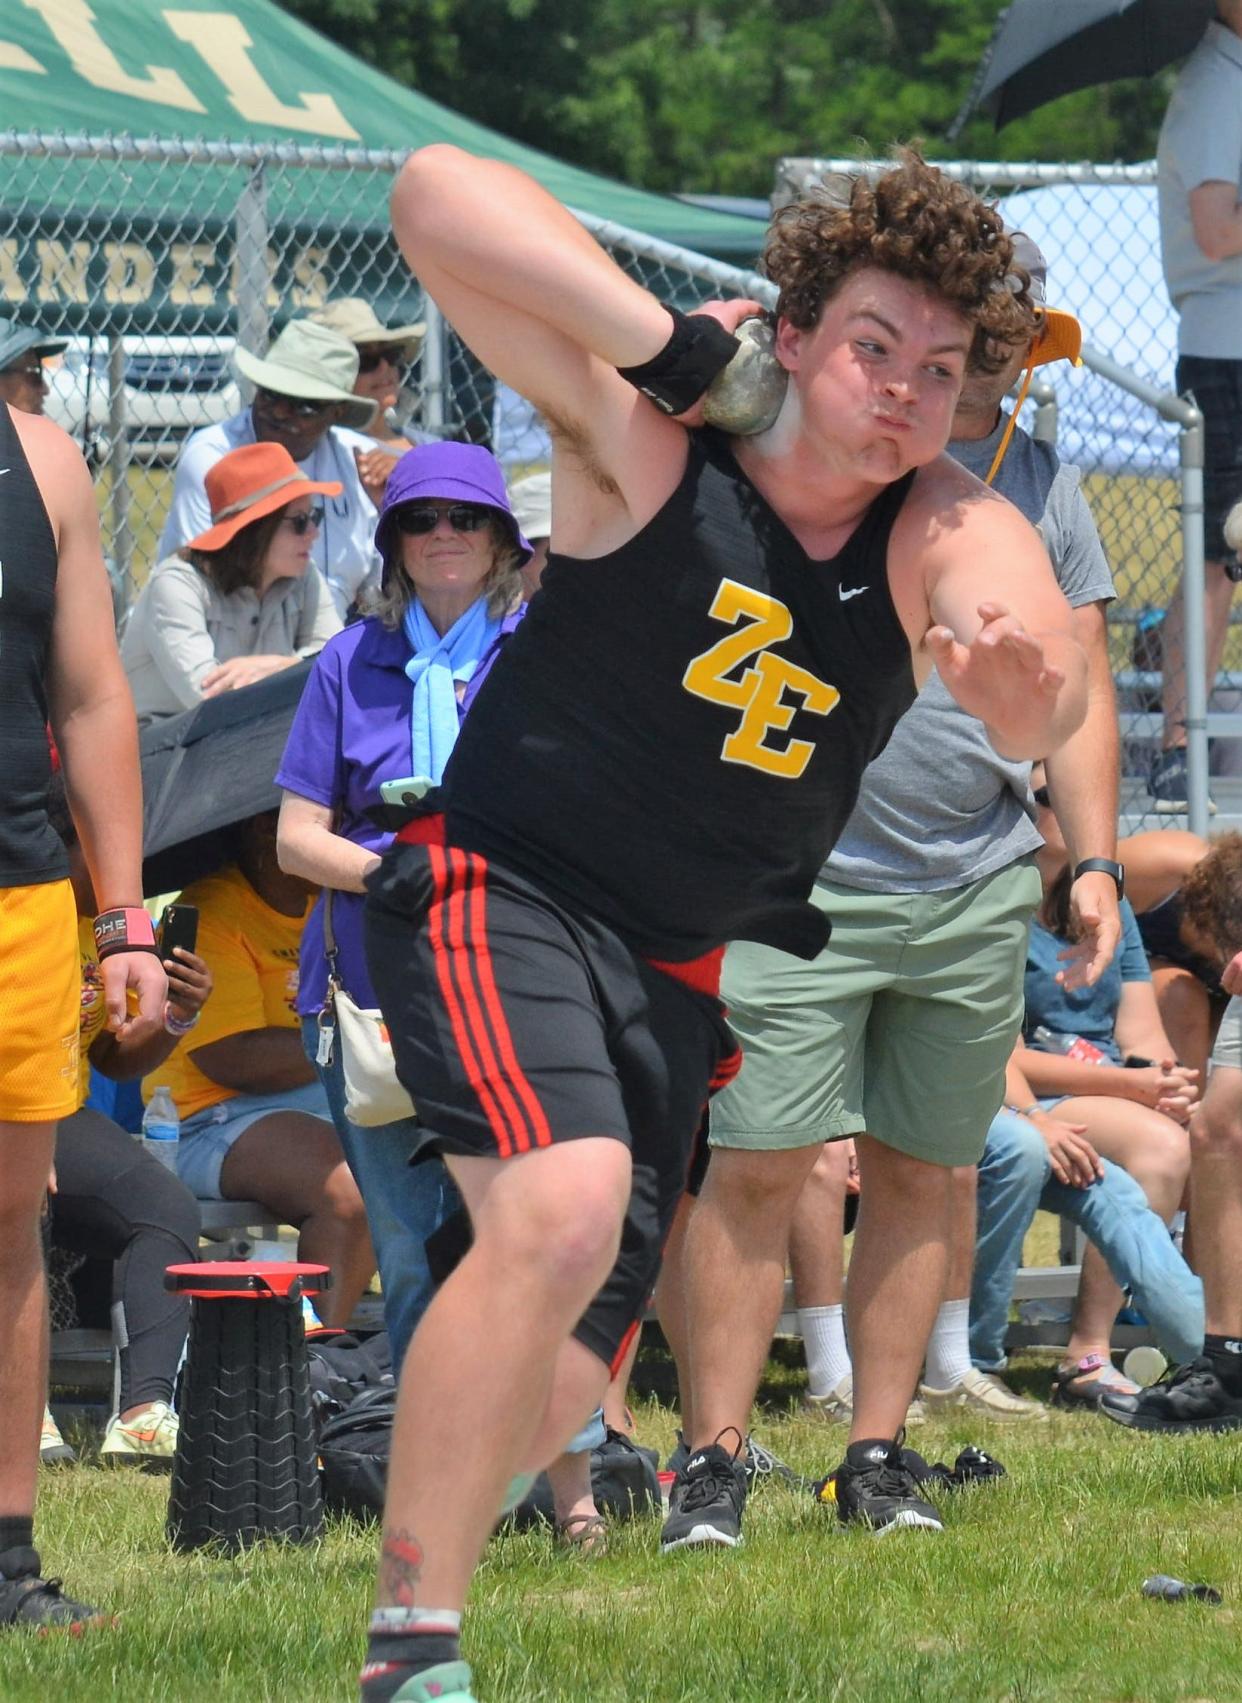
{"x": 727, "y": 633}
{"x": 58, "y": 663}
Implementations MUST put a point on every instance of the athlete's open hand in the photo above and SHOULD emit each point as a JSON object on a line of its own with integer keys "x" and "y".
{"x": 1002, "y": 676}
{"x": 144, "y": 974}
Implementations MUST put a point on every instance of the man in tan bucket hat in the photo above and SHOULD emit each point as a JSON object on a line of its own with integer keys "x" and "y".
{"x": 303, "y": 400}
{"x": 385, "y": 352}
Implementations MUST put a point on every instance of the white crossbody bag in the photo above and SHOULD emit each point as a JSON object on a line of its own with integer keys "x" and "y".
{"x": 373, "y": 1094}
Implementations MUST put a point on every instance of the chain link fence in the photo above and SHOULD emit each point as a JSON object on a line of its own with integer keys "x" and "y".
{"x": 157, "y": 259}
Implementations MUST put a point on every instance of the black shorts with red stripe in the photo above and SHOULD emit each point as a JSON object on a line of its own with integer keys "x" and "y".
{"x": 516, "y": 1025}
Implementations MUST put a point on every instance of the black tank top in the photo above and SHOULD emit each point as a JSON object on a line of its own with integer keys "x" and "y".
{"x": 30, "y": 848}
{"x": 1160, "y": 928}
{"x": 674, "y": 736}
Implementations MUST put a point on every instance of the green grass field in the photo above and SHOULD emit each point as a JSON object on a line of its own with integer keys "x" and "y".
{"x": 1032, "y": 1593}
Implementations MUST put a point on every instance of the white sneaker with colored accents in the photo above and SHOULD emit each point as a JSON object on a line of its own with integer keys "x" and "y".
{"x": 150, "y": 1435}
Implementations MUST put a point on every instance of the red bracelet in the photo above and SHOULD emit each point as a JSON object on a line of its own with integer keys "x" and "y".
{"x": 128, "y": 928}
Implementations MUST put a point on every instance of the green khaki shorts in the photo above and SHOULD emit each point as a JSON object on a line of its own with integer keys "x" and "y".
{"x": 901, "y": 1027}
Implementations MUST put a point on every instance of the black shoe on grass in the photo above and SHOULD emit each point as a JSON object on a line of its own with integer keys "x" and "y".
{"x": 1188, "y": 1398}
{"x": 875, "y": 1487}
{"x": 40, "y": 1603}
{"x": 705, "y": 1503}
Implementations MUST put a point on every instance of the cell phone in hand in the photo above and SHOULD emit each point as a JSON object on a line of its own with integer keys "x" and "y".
{"x": 178, "y": 927}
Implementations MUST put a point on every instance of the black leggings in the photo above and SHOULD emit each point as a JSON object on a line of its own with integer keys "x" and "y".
{"x": 114, "y": 1202}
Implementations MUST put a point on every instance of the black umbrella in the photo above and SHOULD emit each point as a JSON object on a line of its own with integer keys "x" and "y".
{"x": 1041, "y": 49}
{"x": 207, "y": 769}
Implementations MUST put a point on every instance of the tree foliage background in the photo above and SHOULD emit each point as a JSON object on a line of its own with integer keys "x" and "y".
{"x": 676, "y": 96}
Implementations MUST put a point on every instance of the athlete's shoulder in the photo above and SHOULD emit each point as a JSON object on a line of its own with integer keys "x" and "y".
{"x": 47, "y": 445}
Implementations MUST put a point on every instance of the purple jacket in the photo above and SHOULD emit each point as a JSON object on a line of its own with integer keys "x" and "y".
{"x": 351, "y": 733}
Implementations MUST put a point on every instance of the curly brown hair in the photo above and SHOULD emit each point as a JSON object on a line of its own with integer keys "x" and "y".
{"x": 1211, "y": 895}
{"x": 918, "y": 223}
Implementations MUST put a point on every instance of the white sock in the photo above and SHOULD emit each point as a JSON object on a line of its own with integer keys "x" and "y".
{"x": 823, "y": 1340}
{"x": 948, "y": 1349}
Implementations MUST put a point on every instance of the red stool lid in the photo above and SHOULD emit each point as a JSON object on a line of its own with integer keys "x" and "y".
{"x": 258, "y": 1280}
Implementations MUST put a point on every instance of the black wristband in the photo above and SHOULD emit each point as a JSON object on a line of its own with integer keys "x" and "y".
{"x": 676, "y": 378}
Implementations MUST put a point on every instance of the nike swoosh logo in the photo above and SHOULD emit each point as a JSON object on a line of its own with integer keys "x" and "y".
{"x": 846, "y": 595}
{"x": 3, "y": 471}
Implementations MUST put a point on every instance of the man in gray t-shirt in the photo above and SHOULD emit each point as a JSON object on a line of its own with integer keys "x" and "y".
{"x": 1199, "y": 177}
{"x": 898, "y": 1033}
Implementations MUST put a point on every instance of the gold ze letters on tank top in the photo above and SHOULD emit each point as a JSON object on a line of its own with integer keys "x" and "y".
{"x": 759, "y": 692}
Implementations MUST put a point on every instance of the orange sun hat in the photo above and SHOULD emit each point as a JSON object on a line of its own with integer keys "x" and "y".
{"x": 251, "y": 482}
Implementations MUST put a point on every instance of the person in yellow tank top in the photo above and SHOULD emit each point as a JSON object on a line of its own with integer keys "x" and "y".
{"x": 255, "y": 1122}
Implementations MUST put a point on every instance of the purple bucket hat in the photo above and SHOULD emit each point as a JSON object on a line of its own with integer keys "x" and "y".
{"x": 453, "y": 472}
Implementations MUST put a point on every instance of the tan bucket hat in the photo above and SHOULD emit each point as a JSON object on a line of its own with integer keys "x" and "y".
{"x": 352, "y": 317}
{"x": 309, "y": 361}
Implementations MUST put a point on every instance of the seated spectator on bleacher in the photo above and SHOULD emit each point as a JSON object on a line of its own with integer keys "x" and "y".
{"x": 1187, "y": 898}
{"x": 1120, "y": 1086}
{"x": 23, "y": 375}
{"x": 255, "y": 1121}
{"x": 1034, "y": 1161}
{"x": 242, "y": 599}
{"x": 385, "y": 354}
{"x": 304, "y": 402}
{"x": 115, "y": 1204}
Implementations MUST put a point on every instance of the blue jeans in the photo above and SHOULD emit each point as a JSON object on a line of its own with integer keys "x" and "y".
{"x": 405, "y": 1203}
{"x": 1015, "y": 1181}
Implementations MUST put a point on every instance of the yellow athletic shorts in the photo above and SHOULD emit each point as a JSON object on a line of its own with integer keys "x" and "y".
{"x": 40, "y": 1003}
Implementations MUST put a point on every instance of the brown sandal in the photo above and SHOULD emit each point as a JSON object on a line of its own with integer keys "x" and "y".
{"x": 585, "y": 1533}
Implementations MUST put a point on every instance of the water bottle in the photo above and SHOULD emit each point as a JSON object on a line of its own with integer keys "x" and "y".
{"x": 161, "y": 1128}
{"x": 1071, "y": 1046}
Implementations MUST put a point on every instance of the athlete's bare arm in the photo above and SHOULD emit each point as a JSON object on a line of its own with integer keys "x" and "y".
{"x": 1003, "y": 643}
{"x": 542, "y": 305}
{"x": 91, "y": 709}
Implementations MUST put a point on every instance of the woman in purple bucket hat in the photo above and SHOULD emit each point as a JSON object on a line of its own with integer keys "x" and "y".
{"x": 384, "y": 702}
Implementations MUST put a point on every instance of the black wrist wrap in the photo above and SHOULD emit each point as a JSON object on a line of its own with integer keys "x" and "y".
{"x": 697, "y": 351}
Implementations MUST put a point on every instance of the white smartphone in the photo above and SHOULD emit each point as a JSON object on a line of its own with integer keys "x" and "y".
{"x": 407, "y": 793}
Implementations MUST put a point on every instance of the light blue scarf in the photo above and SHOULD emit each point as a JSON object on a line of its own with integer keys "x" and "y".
{"x": 435, "y": 668}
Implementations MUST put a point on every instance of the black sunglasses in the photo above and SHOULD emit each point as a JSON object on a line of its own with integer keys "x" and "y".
{"x": 369, "y": 359}
{"x": 418, "y": 519}
{"x": 1040, "y": 795}
{"x": 302, "y": 523}
{"x": 301, "y": 407}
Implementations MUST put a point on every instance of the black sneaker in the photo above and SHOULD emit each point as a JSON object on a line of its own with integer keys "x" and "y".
{"x": 1187, "y": 1398}
{"x": 31, "y": 1601}
{"x": 705, "y": 1503}
{"x": 1168, "y": 784}
{"x": 875, "y": 1487}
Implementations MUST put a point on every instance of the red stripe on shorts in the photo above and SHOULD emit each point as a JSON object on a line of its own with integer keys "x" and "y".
{"x": 468, "y": 884}
{"x": 538, "y": 1122}
{"x": 444, "y": 953}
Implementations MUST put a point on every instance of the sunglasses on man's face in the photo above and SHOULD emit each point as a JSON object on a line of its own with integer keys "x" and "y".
{"x": 420, "y": 518}
{"x": 1040, "y": 795}
{"x": 35, "y": 374}
{"x": 300, "y": 407}
{"x": 305, "y": 522}
{"x": 369, "y": 359}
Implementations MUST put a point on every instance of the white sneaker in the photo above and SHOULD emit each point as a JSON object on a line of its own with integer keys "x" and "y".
{"x": 53, "y": 1449}
{"x": 149, "y": 1436}
{"x": 837, "y": 1407}
{"x": 985, "y": 1393}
